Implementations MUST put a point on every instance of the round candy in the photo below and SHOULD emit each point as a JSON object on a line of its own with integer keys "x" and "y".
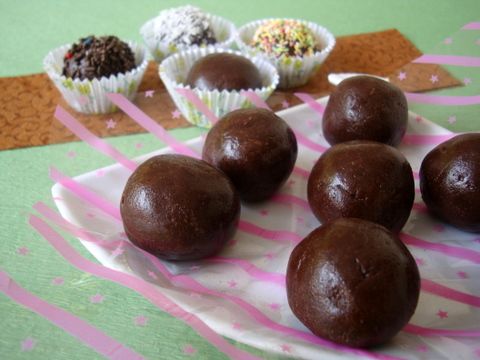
{"x": 179, "y": 208}
{"x": 255, "y": 148}
{"x": 450, "y": 181}
{"x": 284, "y": 38}
{"x": 224, "y": 71}
{"x": 353, "y": 282}
{"x": 365, "y": 108}
{"x": 362, "y": 179}
{"x": 93, "y": 58}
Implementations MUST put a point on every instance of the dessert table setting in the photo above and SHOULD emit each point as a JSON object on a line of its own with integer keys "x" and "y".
{"x": 255, "y": 180}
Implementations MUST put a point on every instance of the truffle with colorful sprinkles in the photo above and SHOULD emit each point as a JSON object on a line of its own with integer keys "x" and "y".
{"x": 92, "y": 58}
{"x": 285, "y": 37}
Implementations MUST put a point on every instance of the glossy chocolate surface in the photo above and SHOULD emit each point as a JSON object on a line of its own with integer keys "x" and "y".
{"x": 362, "y": 179}
{"x": 255, "y": 148}
{"x": 353, "y": 282}
{"x": 179, "y": 208}
{"x": 450, "y": 181}
{"x": 224, "y": 71}
{"x": 365, "y": 108}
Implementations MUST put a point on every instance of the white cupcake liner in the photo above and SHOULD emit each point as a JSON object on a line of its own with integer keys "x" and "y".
{"x": 293, "y": 70}
{"x": 174, "y": 70}
{"x": 224, "y": 30}
{"x": 89, "y": 96}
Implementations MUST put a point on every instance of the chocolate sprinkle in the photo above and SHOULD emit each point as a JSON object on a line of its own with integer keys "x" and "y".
{"x": 92, "y": 58}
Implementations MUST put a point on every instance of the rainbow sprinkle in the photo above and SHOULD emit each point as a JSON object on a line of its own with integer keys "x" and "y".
{"x": 284, "y": 37}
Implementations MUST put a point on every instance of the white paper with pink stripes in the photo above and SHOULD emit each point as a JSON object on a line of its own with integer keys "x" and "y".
{"x": 240, "y": 292}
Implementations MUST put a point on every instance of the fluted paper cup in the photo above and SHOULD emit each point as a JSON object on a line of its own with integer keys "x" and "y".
{"x": 174, "y": 70}
{"x": 293, "y": 70}
{"x": 224, "y": 30}
{"x": 89, "y": 96}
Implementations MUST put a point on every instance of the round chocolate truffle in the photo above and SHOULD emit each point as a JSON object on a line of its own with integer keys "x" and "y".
{"x": 179, "y": 208}
{"x": 224, "y": 71}
{"x": 362, "y": 179}
{"x": 353, "y": 282}
{"x": 450, "y": 181}
{"x": 93, "y": 58}
{"x": 365, "y": 108}
{"x": 255, "y": 148}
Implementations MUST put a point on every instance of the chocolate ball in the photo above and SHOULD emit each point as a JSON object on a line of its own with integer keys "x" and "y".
{"x": 353, "y": 282}
{"x": 179, "y": 208}
{"x": 224, "y": 71}
{"x": 94, "y": 58}
{"x": 450, "y": 181}
{"x": 362, "y": 179}
{"x": 365, "y": 108}
{"x": 255, "y": 148}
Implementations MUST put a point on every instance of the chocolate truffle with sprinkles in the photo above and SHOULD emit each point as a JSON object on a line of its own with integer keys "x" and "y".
{"x": 284, "y": 38}
{"x": 92, "y": 58}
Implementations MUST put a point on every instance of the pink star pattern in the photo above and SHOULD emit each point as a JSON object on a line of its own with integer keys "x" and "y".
{"x": 23, "y": 251}
{"x": 438, "y": 228}
{"x": 452, "y": 119}
{"x": 286, "y": 348}
{"x": 140, "y": 320}
{"x": 236, "y": 326}
{"x": 189, "y": 349}
{"x": 152, "y": 275}
{"x": 442, "y": 314}
{"x": 291, "y": 182}
{"x": 90, "y": 215}
{"x": 310, "y": 123}
{"x": 111, "y": 124}
{"x": 71, "y": 154}
{"x": 232, "y": 283}
{"x": 176, "y": 114}
{"x": 100, "y": 172}
{"x": 420, "y": 261}
{"x": 402, "y": 75}
{"x": 97, "y": 298}
{"x": 58, "y": 281}
{"x": 434, "y": 79}
{"x": 274, "y": 306}
{"x": 138, "y": 146}
{"x": 194, "y": 267}
{"x": 264, "y": 212}
{"x": 269, "y": 256}
{"x": 28, "y": 344}
{"x": 448, "y": 41}
{"x": 422, "y": 348}
{"x": 285, "y": 104}
{"x": 418, "y": 118}
{"x": 118, "y": 251}
{"x": 462, "y": 275}
{"x": 467, "y": 81}
{"x": 299, "y": 219}
{"x": 149, "y": 93}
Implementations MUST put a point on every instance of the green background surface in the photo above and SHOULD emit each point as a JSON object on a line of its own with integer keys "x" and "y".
{"x": 30, "y": 29}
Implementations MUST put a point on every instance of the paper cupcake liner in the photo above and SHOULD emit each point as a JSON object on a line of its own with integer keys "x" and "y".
{"x": 293, "y": 70}
{"x": 173, "y": 71}
{"x": 89, "y": 96}
{"x": 224, "y": 30}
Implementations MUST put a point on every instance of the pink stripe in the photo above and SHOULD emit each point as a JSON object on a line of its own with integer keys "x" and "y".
{"x": 191, "y": 284}
{"x": 472, "y": 26}
{"x": 311, "y": 102}
{"x": 288, "y": 199}
{"x": 80, "y": 329}
{"x": 449, "y": 293}
{"x": 417, "y": 139}
{"x": 94, "y": 141}
{"x": 416, "y": 175}
{"x": 85, "y": 194}
{"x": 420, "y": 207}
{"x": 255, "y": 99}
{"x": 443, "y": 100}
{"x": 195, "y": 100}
{"x": 453, "y": 251}
{"x": 142, "y": 287}
{"x": 419, "y": 330}
{"x": 449, "y": 60}
{"x": 150, "y": 125}
{"x": 274, "y": 235}
{"x": 301, "y": 172}
{"x": 302, "y": 139}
